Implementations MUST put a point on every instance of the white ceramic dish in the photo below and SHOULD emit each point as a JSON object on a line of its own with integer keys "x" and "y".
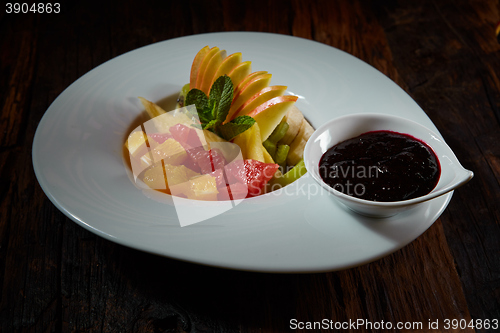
{"x": 77, "y": 158}
{"x": 453, "y": 175}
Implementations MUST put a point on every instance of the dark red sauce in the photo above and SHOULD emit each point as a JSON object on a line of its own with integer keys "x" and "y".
{"x": 381, "y": 166}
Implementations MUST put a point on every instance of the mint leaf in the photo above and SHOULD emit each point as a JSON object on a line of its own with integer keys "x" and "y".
{"x": 222, "y": 93}
{"x": 212, "y": 105}
{"x": 236, "y": 126}
{"x": 210, "y": 125}
{"x": 200, "y": 100}
{"x": 213, "y": 110}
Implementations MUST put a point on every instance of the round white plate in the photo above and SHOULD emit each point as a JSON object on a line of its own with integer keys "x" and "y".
{"x": 77, "y": 157}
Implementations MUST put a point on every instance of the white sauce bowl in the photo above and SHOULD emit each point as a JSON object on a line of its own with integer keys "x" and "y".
{"x": 453, "y": 174}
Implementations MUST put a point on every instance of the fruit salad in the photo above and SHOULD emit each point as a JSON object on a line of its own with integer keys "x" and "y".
{"x": 189, "y": 152}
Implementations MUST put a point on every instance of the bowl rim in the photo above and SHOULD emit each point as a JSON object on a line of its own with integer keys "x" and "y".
{"x": 308, "y": 161}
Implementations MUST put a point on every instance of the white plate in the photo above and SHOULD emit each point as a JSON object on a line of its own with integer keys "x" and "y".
{"x": 77, "y": 157}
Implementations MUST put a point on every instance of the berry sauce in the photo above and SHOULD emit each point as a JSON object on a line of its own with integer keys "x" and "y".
{"x": 381, "y": 166}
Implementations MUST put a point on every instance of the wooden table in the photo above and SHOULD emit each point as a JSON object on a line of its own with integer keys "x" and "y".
{"x": 58, "y": 277}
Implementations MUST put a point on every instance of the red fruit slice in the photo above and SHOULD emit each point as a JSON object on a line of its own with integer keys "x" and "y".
{"x": 185, "y": 135}
{"x": 236, "y": 191}
{"x": 206, "y": 161}
{"x": 254, "y": 174}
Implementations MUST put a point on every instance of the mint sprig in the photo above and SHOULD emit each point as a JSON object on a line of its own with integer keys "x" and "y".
{"x": 236, "y": 126}
{"x": 213, "y": 110}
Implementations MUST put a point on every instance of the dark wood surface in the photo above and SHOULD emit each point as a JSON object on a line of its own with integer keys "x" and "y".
{"x": 57, "y": 277}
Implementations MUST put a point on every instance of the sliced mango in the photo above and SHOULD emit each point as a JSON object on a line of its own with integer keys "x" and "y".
{"x": 250, "y": 144}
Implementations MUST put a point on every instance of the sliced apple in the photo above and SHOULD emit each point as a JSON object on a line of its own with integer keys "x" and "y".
{"x": 251, "y": 87}
{"x": 257, "y": 99}
{"x": 269, "y": 114}
{"x": 244, "y": 82}
{"x": 227, "y": 65}
{"x": 204, "y": 64}
{"x": 240, "y": 72}
{"x": 212, "y": 67}
{"x": 196, "y": 66}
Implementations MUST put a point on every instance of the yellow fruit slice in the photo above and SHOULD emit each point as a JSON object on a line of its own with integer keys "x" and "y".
{"x": 204, "y": 65}
{"x": 199, "y": 188}
{"x": 227, "y": 65}
{"x": 170, "y": 151}
{"x": 177, "y": 174}
{"x": 269, "y": 114}
{"x": 152, "y": 109}
{"x": 162, "y": 120}
{"x": 210, "y": 137}
{"x": 244, "y": 82}
{"x": 136, "y": 143}
{"x": 262, "y": 96}
{"x": 159, "y": 178}
{"x": 239, "y": 72}
{"x": 212, "y": 67}
{"x": 267, "y": 157}
{"x": 155, "y": 178}
{"x": 250, "y": 144}
{"x": 196, "y": 66}
{"x": 251, "y": 87}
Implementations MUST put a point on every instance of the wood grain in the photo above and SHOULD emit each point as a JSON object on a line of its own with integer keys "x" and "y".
{"x": 58, "y": 277}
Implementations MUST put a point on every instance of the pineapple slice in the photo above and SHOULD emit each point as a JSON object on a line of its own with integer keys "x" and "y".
{"x": 198, "y": 188}
{"x": 136, "y": 143}
{"x": 155, "y": 178}
{"x": 170, "y": 151}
